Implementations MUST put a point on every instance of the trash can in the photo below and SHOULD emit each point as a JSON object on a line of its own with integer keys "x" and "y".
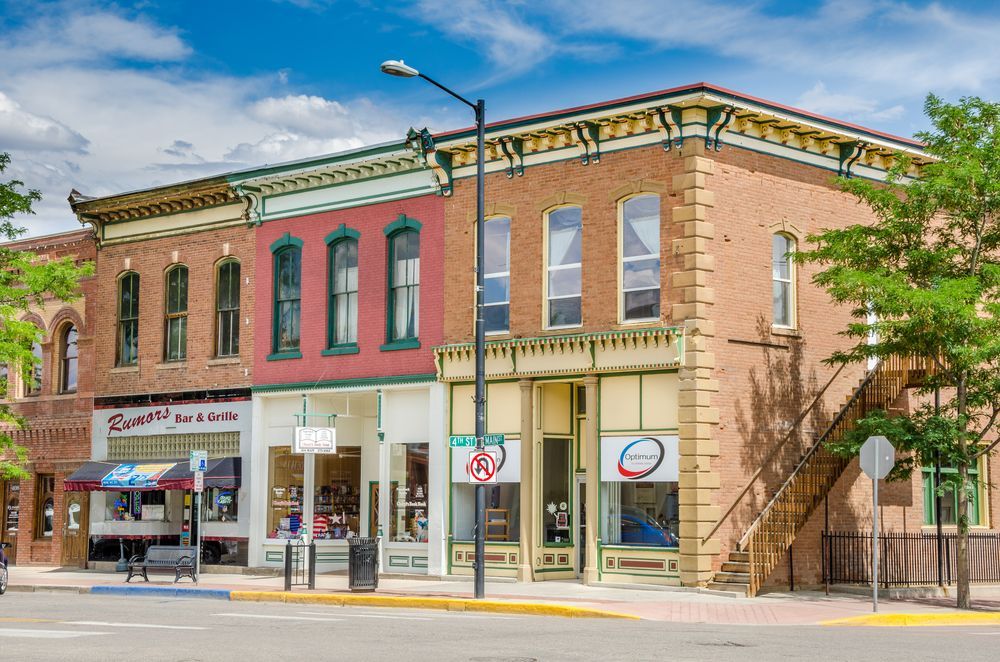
{"x": 362, "y": 566}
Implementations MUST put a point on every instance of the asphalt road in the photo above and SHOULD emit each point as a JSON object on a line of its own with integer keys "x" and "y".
{"x": 53, "y": 626}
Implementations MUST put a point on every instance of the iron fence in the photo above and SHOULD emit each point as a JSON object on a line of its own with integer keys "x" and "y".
{"x": 907, "y": 559}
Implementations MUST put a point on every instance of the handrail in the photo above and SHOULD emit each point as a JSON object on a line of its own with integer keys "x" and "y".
{"x": 774, "y": 451}
{"x": 819, "y": 443}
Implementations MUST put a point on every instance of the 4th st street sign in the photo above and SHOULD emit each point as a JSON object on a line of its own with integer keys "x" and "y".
{"x": 469, "y": 441}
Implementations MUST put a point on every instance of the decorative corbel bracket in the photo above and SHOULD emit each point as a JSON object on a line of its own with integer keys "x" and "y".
{"x": 669, "y": 122}
{"x": 850, "y": 152}
{"x": 588, "y": 136}
{"x": 422, "y": 142}
{"x": 251, "y": 194}
{"x": 719, "y": 119}
{"x": 513, "y": 152}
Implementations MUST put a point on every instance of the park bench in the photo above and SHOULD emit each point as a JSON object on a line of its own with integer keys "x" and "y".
{"x": 163, "y": 557}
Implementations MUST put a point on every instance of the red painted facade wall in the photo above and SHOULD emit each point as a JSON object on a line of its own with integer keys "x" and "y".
{"x": 370, "y": 361}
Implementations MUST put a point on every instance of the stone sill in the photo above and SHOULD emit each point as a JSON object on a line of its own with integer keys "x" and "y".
{"x": 172, "y": 365}
{"x": 226, "y": 360}
{"x": 786, "y": 331}
{"x": 124, "y": 370}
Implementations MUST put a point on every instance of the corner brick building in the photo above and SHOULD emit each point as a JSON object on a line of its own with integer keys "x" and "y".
{"x": 726, "y": 374}
{"x": 174, "y": 304}
{"x": 44, "y": 524}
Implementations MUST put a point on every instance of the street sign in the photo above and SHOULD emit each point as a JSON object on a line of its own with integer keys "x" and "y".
{"x": 877, "y": 457}
{"x": 199, "y": 481}
{"x": 198, "y": 460}
{"x": 469, "y": 441}
{"x": 483, "y": 467}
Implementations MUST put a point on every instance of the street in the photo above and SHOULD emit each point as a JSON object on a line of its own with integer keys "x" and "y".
{"x": 53, "y": 626}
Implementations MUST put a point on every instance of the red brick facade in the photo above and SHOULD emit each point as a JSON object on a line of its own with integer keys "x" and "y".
{"x": 57, "y": 436}
{"x": 370, "y": 361}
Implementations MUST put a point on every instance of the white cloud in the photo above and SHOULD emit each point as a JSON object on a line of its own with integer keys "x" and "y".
{"x": 20, "y": 129}
{"x": 820, "y": 100}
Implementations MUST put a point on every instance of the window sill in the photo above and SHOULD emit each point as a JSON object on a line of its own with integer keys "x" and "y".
{"x": 787, "y": 331}
{"x": 408, "y": 343}
{"x": 171, "y": 365}
{"x": 281, "y": 356}
{"x": 631, "y": 324}
{"x": 124, "y": 370}
{"x": 224, "y": 360}
{"x": 340, "y": 350}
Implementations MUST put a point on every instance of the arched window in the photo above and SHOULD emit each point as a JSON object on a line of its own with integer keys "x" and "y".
{"x": 128, "y": 319}
{"x": 287, "y": 299}
{"x": 69, "y": 357}
{"x": 227, "y": 309}
{"x": 343, "y": 329}
{"x": 640, "y": 258}
{"x": 404, "y": 285}
{"x": 175, "y": 321}
{"x": 45, "y": 505}
{"x": 564, "y": 267}
{"x": 783, "y": 280}
{"x": 33, "y": 374}
{"x": 496, "y": 275}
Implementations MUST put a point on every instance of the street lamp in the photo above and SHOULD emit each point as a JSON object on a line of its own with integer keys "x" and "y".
{"x": 402, "y": 70}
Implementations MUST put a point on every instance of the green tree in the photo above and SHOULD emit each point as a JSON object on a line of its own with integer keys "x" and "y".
{"x": 924, "y": 280}
{"x": 24, "y": 283}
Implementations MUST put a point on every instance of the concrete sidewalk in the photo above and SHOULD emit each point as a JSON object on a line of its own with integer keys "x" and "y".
{"x": 563, "y": 597}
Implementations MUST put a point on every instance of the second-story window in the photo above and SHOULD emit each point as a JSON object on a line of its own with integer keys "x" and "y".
{"x": 783, "y": 280}
{"x": 33, "y": 374}
{"x": 69, "y": 357}
{"x": 287, "y": 299}
{"x": 640, "y": 258}
{"x": 227, "y": 309}
{"x": 496, "y": 275}
{"x": 343, "y": 292}
{"x": 128, "y": 319}
{"x": 564, "y": 268}
{"x": 404, "y": 284}
{"x": 176, "y": 316}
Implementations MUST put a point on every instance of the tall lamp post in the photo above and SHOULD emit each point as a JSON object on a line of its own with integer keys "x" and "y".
{"x": 403, "y": 70}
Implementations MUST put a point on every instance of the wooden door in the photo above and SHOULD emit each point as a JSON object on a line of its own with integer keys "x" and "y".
{"x": 10, "y": 501}
{"x": 75, "y": 528}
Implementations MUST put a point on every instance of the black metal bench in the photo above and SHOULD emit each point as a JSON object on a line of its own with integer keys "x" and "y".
{"x": 163, "y": 557}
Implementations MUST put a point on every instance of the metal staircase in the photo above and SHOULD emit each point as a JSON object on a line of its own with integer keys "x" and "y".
{"x": 769, "y": 536}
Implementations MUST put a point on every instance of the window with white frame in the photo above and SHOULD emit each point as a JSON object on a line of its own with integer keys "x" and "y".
{"x": 564, "y": 268}
{"x": 496, "y": 275}
{"x": 640, "y": 258}
{"x": 783, "y": 280}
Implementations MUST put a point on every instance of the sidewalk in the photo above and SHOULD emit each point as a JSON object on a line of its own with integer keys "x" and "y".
{"x": 561, "y": 597}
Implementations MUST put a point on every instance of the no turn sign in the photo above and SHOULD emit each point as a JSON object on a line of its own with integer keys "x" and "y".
{"x": 483, "y": 467}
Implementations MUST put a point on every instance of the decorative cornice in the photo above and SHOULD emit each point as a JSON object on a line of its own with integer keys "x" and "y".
{"x": 155, "y": 202}
{"x": 334, "y": 173}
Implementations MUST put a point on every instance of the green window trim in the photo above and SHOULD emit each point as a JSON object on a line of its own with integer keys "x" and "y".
{"x": 284, "y": 241}
{"x": 975, "y": 499}
{"x": 281, "y": 356}
{"x": 402, "y": 222}
{"x": 341, "y": 236}
{"x": 404, "y": 343}
{"x": 342, "y": 232}
{"x": 401, "y": 227}
{"x": 284, "y": 245}
{"x": 340, "y": 350}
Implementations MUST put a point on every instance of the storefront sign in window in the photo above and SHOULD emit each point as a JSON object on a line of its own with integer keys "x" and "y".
{"x": 639, "y": 458}
{"x": 408, "y": 507}
{"x": 503, "y": 500}
{"x": 640, "y": 491}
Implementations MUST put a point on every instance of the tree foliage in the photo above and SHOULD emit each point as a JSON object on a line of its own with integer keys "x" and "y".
{"x": 924, "y": 280}
{"x": 25, "y": 283}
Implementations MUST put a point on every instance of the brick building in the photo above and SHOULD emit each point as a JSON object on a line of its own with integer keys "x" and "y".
{"x": 44, "y": 524}
{"x": 653, "y": 359}
{"x": 350, "y": 303}
{"x": 175, "y": 300}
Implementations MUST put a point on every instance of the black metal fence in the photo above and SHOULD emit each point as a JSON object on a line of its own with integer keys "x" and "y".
{"x": 300, "y": 564}
{"x": 907, "y": 559}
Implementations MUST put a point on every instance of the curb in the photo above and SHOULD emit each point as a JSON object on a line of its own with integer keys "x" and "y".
{"x": 918, "y": 620}
{"x": 163, "y": 591}
{"x": 419, "y": 602}
{"x": 47, "y": 588}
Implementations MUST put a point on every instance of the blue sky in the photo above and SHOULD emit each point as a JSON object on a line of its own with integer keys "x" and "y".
{"x": 109, "y": 97}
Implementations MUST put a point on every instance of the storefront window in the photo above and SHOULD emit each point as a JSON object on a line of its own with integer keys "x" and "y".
{"x": 503, "y": 512}
{"x": 148, "y": 506}
{"x": 220, "y": 504}
{"x": 556, "y": 502}
{"x": 285, "y": 491}
{"x": 408, "y": 507}
{"x": 337, "y": 495}
{"x": 640, "y": 514}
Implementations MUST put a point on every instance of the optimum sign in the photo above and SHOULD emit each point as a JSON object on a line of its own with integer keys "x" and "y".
{"x": 634, "y": 459}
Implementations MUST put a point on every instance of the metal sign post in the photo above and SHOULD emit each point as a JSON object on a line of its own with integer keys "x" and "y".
{"x": 198, "y": 463}
{"x": 877, "y": 459}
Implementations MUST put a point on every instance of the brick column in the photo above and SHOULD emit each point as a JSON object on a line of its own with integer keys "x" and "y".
{"x": 524, "y": 573}
{"x": 698, "y": 420}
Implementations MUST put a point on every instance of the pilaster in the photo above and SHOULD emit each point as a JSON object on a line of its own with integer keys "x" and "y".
{"x": 698, "y": 419}
{"x": 524, "y": 572}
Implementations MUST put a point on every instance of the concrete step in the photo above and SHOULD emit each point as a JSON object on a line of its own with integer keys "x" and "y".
{"x": 741, "y": 590}
{"x": 732, "y": 577}
{"x": 736, "y": 567}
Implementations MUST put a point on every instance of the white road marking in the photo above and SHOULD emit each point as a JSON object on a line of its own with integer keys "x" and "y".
{"x": 45, "y": 634}
{"x": 137, "y": 625}
{"x": 425, "y": 616}
{"x": 399, "y": 618}
{"x": 282, "y": 618}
